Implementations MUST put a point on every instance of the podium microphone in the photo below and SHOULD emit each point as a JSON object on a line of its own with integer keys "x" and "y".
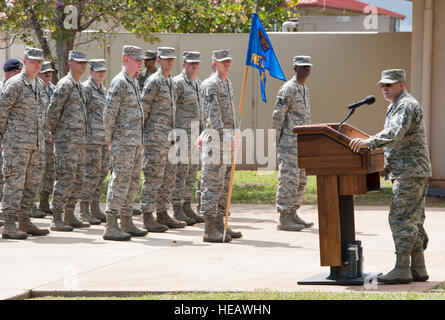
{"x": 367, "y": 100}
{"x": 352, "y": 107}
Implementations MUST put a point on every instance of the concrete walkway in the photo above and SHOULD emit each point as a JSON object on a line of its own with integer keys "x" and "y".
{"x": 82, "y": 263}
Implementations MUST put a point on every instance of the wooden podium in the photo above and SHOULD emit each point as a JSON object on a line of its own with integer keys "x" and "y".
{"x": 324, "y": 151}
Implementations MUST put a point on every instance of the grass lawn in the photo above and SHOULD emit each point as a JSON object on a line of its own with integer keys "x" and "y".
{"x": 261, "y": 187}
{"x": 436, "y": 294}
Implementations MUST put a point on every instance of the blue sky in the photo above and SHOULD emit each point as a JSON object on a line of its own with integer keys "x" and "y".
{"x": 400, "y": 6}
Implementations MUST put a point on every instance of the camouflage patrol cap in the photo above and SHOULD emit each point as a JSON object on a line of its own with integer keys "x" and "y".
{"x": 150, "y": 54}
{"x": 191, "y": 56}
{"x": 98, "y": 64}
{"x": 302, "y": 61}
{"x": 221, "y": 55}
{"x": 133, "y": 51}
{"x": 166, "y": 53}
{"x": 77, "y": 56}
{"x": 392, "y": 76}
{"x": 33, "y": 53}
{"x": 46, "y": 67}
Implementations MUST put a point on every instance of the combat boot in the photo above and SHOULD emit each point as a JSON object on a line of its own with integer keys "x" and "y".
{"x": 220, "y": 226}
{"x": 71, "y": 220}
{"x": 163, "y": 218}
{"x": 128, "y": 226}
{"x": 179, "y": 215}
{"x": 57, "y": 223}
{"x": 286, "y": 223}
{"x": 136, "y": 212}
{"x": 35, "y": 213}
{"x": 10, "y": 230}
{"x": 211, "y": 230}
{"x": 95, "y": 211}
{"x": 401, "y": 272}
{"x": 151, "y": 224}
{"x": 298, "y": 220}
{"x": 85, "y": 215}
{"x": 44, "y": 202}
{"x": 189, "y": 212}
{"x": 418, "y": 269}
{"x": 27, "y": 226}
{"x": 112, "y": 231}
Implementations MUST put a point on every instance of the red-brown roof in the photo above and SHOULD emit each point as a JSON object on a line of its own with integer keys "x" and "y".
{"x": 348, "y": 5}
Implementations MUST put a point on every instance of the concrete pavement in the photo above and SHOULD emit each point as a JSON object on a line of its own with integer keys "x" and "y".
{"x": 82, "y": 263}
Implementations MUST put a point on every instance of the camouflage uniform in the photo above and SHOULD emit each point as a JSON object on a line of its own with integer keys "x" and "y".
{"x": 144, "y": 74}
{"x": 1, "y": 159}
{"x": 67, "y": 120}
{"x": 408, "y": 166}
{"x": 48, "y": 176}
{"x": 21, "y": 128}
{"x": 219, "y": 115}
{"x": 188, "y": 110}
{"x": 123, "y": 123}
{"x": 97, "y": 153}
{"x": 202, "y": 126}
{"x": 292, "y": 108}
{"x": 158, "y": 97}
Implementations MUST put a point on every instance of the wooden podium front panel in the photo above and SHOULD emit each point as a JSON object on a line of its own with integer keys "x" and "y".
{"x": 329, "y": 220}
{"x": 322, "y": 152}
{"x": 351, "y": 184}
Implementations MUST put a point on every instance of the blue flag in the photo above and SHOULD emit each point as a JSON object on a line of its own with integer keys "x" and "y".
{"x": 260, "y": 54}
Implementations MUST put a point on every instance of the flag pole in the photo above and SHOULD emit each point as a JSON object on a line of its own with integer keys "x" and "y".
{"x": 235, "y": 151}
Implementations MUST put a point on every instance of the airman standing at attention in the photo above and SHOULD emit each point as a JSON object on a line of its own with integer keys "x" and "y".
{"x": 96, "y": 150}
{"x": 11, "y": 67}
{"x": 46, "y": 74}
{"x": 188, "y": 111}
{"x": 124, "y": 124}
{"x": 220, "y": 121}
{"x": 159, "y": 101}
{"x": 150, "y": 67}
{"x": 21, "y": 130}
{"x": 66, "y": 119}
{"x": 292, "y": 108}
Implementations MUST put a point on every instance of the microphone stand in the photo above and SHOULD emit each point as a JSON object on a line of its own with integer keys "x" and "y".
{"x": 350, "y": 114}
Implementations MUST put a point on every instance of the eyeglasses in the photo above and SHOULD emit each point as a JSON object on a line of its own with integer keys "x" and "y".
{"x": 386, "y": 85}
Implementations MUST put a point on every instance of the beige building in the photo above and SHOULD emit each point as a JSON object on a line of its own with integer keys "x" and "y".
{"x": 428, "y": 77}
{"x": 341, "y": 15}
{"x": 347, "y": 23}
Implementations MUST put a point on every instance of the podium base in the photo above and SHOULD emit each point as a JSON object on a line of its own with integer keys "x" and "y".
{"x": 325, "y": 279}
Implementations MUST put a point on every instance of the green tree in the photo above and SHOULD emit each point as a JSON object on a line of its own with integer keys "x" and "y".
{"x": 37, "y": 22}
{"x": 220, "y": 16}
